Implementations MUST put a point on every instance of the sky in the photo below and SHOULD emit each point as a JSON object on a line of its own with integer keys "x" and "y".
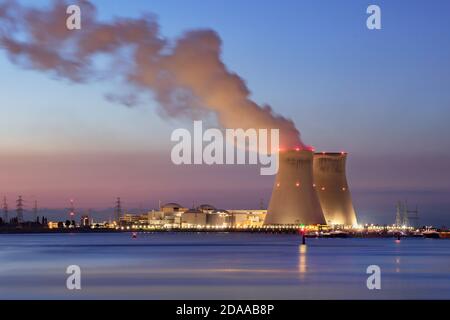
{"x": 383, "y": 96}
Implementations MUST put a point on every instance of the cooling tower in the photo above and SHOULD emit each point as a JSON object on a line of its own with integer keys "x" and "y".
{"x": 332, "y": 188}
{"x": 294, "y": 200}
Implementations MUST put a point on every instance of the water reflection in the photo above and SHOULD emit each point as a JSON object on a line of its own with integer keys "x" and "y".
{"x": 302, "y": 265}
{"x": 397, "y": 264}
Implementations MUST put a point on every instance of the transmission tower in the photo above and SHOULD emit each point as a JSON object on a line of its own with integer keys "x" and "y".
{"x": 404, "y": 216}
{"x": 413, "y": 216}
{"x": 399, "y": 215}
{"x": 5, "y": 210}
{"x": 19, "y": 209}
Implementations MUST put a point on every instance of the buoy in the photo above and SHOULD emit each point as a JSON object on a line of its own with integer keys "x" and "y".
{"x": 134, "y": 235}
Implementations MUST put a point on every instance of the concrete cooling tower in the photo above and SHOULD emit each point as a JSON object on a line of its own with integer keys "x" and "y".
{"x": 294, "y": 200}
{"x": 331, "y": 185}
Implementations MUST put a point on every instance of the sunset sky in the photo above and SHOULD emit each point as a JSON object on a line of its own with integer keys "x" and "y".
{"x": 383, "y": 96}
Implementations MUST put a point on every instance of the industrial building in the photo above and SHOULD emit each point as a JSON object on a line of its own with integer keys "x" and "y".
{"x": 193, "y": 217}
{"x": 173, "y": 215}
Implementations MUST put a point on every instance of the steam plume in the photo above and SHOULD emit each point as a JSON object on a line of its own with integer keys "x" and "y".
{"x": 186, "y": 77}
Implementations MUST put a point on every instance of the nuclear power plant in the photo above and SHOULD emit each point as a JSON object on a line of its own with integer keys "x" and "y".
{"x": 311, "y": 189}
{"x": 332, "y": 188}
{"x": 294, "y": 199}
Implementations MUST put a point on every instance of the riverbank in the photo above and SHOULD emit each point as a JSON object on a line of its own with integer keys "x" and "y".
{"x": 265, "y": 230}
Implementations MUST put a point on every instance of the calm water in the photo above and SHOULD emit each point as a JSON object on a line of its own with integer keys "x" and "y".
{"x": 221, "y": 266}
